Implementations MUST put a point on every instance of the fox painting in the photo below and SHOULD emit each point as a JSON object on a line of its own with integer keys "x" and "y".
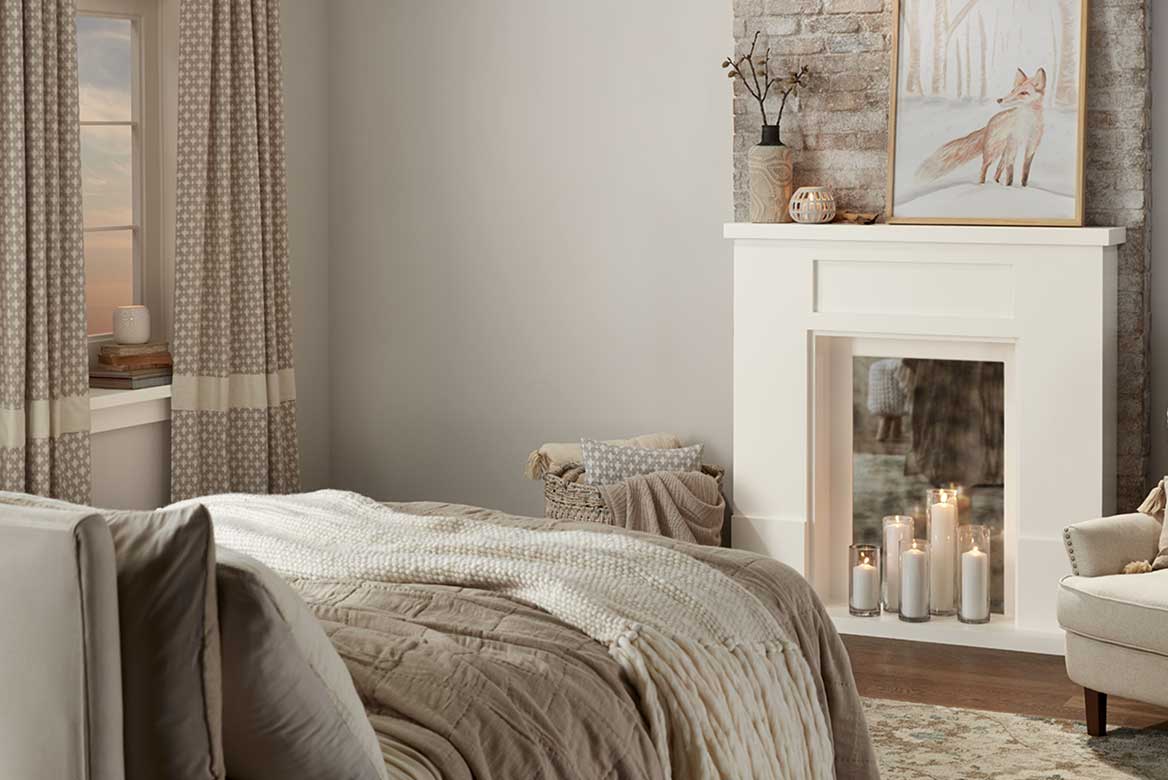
{"x": 1017, "y": 129}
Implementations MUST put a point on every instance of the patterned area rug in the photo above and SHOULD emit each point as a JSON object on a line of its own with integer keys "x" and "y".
{"x": 942, "y": 743}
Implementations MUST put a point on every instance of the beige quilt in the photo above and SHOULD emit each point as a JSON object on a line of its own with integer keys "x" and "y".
{"x": 474, "y": 684}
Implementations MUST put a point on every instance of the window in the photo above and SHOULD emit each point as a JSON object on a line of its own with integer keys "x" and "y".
{"x": 118, "y": 73}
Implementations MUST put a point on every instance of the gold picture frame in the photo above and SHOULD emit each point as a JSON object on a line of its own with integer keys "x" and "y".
{"x": 928, "y": 206}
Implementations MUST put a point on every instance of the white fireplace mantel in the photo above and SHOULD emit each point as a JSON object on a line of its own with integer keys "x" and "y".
{"x": 807, "y": 298}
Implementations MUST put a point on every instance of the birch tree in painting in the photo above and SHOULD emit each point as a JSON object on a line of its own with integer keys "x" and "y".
{"x": 995, "y": 133}
{"x": 1066, "y": 92}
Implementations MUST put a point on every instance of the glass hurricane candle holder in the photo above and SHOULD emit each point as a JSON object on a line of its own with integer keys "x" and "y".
{"x": 914, "y": 580}
{"x": 942, "y": 504}
{"x": 864, "y": 584}
{"x": 974, "y": 544}
{"x": 896, "y": 529}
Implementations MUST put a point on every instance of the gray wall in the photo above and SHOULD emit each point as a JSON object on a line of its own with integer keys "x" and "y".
{"x": 525, "y": 216}
{"x": 305, "y": 48}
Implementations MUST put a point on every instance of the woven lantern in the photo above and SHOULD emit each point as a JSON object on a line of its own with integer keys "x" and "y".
{"x": 812, "y": 205}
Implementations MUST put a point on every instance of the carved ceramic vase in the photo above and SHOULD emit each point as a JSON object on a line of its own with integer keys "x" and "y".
{"x": 131, "y": 324}
{"x": 772, "y": 179}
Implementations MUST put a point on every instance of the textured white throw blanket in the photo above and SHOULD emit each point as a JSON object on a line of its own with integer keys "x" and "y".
{"x": 724, "y": 692}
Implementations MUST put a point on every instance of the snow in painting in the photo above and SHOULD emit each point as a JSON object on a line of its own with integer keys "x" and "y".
{"x": 987, "y": 85}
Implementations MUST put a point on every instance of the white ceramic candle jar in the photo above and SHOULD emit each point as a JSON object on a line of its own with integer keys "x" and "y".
{"x": 131, "y": 324}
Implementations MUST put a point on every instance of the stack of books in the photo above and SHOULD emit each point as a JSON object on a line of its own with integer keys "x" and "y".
{"x": 131, "y": 366}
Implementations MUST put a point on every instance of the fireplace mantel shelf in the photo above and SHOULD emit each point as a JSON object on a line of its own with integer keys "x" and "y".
{"x": 930, "y": 234}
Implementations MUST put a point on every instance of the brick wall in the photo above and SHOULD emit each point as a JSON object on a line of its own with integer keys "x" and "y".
{"x": 840, "y": 133}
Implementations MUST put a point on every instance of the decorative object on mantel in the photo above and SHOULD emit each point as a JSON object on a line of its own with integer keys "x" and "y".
{"x": 131, "y": 366}
{"x": 131, "y": 324}
{"x": 941, "y": 505}
{"x": 858, "y": 217}
{"x": 996, "y": 134}
{"x": 864, "y": 583}
{"x": 914, "y": 581}
{"x": 812, "y": 206}
{"x": 770, "y": 163}
{"x": 974, "y": 544}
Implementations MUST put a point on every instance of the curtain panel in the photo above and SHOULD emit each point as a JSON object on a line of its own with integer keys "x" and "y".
{"x": 233, "y": 424}
{"x": 44, "y": 372}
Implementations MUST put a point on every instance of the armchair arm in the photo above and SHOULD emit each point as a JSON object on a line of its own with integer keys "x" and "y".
{"x": 60, "y": 661}
{"x": 1107, "y": 544}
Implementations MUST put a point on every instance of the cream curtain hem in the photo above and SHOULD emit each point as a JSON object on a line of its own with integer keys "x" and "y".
{"x": 44, "y": 419}
{"x": 236, "y": 391}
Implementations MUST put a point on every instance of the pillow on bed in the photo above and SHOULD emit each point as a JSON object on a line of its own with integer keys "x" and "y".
{"x": 169, "y": 634}
{"x": 290, "y": 710}
{"x": 607, "y": 463}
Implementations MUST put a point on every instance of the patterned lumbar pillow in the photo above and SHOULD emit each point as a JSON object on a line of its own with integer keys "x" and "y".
{"x": 606, "y": 463}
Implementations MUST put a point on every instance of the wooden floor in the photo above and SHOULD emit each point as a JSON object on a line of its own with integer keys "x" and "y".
{"x": 996, "y": 680}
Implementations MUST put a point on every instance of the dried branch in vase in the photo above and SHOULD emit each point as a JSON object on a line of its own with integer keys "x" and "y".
{"x": 755, "y": 73}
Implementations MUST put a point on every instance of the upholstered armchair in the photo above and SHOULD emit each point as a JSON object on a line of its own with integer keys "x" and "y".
{"x": 1116, "y": 624}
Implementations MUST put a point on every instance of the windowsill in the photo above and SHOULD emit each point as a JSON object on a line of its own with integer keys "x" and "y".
{"x": 112, "y": 410}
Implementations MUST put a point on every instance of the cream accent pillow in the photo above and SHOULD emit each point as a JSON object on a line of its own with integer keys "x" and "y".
{"x": 169, "y": 632}
{"x": 290, "y": 711}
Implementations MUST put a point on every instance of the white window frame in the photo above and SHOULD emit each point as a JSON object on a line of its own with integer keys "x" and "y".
{"x": 152, "y": 275}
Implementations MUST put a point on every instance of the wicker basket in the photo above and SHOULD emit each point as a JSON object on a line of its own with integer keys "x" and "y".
{"x": 568, "y": 497}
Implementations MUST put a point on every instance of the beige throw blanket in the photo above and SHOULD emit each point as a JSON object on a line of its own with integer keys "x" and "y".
{"x": 724, "y": 692}
{"x": 554, "y": 454}
{"x": 683, "y": 505}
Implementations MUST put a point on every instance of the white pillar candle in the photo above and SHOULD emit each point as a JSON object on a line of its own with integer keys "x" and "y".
{"x": 894, "y": 534}
{"x": 943, "y": 540}
{"x": 865, "y": 587}
{"x": 914, "y": 590}
{"x": 975, "y": 581}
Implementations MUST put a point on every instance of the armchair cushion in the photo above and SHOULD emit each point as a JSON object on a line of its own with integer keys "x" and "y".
{"x": 1123, "y": 609}
{"x": 1161, "y": 561}
{"x": 1104, "y": 546}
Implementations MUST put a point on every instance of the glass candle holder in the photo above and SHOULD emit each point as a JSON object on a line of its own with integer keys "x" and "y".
{"x": 864, "y": 583}
{"x": 896, "y": 529}
{"x": 942, "y": 506}
{"x": 914, "y": 580}
{"x": 974, "y": 544}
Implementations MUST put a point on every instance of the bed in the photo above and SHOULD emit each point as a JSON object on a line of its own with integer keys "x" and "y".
{"x": 455, "y": 681}
{"x": 457, "y": 705}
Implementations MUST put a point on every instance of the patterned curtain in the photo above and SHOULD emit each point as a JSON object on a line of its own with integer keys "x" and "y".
{"x": 44, "y": 375}
{"x": 234, "y": 408}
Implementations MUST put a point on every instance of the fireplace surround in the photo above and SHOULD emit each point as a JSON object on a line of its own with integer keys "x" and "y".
{"x": 811, "y": 299}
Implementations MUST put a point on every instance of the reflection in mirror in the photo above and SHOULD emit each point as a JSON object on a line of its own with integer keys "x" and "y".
{"x": 919, "y": 424}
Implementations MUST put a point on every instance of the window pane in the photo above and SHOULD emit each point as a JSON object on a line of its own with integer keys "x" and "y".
{"x": 107, "y": 176}
{"x": 109, "y": 276}
{"x": 103, "y": 68}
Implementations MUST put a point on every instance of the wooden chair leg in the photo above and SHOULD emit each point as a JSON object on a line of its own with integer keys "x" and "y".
{"x": 1096, "y": 712}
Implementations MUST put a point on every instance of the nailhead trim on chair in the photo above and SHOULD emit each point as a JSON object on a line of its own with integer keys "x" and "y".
{"x": 1070, "y": 550}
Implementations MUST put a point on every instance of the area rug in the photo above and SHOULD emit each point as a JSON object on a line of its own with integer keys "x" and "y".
{"x": 944, "y": 743}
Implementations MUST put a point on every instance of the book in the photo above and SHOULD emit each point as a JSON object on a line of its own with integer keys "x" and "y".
{"x": 129, "y": 382}
{"x": 120, "y": 373}
{"x": 128, "y": 350}
{"x": 129, "y": 362}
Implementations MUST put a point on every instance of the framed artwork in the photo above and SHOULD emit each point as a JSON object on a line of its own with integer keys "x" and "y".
{"x": 988, "y": 112}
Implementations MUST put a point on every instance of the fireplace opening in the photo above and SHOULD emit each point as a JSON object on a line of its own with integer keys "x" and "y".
{"x": 919, "y": 424}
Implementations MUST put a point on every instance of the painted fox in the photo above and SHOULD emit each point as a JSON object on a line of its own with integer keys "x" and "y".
{"x": 1018, "y": 127}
